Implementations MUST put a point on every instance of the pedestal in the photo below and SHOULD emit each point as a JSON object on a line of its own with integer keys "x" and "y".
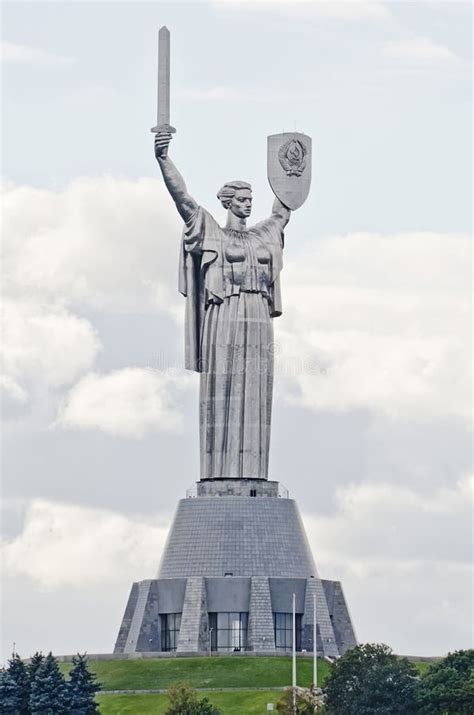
{"x": 235, "y": 555}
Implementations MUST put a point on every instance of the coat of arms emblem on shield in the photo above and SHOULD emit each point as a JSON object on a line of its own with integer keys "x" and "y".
{"x": 292, "y": 157}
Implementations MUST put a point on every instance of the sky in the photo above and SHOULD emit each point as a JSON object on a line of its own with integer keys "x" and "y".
{"x": 371, "y": 417}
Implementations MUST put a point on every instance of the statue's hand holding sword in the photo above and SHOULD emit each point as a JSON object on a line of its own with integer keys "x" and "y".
{"x": 162, "y": 141}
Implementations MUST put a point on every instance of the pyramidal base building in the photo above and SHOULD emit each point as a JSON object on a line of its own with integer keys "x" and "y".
{"x": 236, "y": 553}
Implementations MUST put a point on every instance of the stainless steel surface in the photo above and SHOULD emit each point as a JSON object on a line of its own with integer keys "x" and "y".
{"x": 163, "y": 96}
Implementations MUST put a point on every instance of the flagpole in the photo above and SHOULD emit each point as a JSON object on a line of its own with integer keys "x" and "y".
{"x": 294, "y": 656}
{"x": 315, "y": 646}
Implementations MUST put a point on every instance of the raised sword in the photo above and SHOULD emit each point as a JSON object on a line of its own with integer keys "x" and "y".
{"x": 163, "y": 120}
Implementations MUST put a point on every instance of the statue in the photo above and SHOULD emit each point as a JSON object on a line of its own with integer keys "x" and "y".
{"x": 230, "y": 278}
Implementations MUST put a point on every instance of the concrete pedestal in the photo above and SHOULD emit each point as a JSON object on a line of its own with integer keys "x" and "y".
{"x": 237, "y": 547}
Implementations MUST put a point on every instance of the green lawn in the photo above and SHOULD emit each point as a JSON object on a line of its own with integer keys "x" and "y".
{"x": 422, "y": 666}
{"x": 225, "y": 672}
{"x": 216, "y": 672}
{"x": 249, "y": 702}
{"x": 201, "y": 673}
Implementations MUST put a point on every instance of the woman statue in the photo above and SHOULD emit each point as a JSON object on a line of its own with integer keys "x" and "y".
{"x": 230, "y": 278}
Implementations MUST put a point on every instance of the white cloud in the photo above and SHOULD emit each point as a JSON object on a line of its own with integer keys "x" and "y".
{"x": 405, "y": 562}
{"x": 377, "y": 522}
{"x": 12, "y": 389}
{"x": 14, "y": 399}
{"x": 128, "y": 403}
{"x": 14, "y": 53}
{"x": 69, "y": 545}
{"x": 44, "y": 345}
{"x": 105, "y": 243}
{"x": 419, "y": 50}
{"x": 379, "y": 323}
{"x": 337, "y": 10}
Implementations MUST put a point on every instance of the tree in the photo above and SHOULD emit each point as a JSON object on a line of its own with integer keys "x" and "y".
{"x": 34, "y": 664}
{"x": 10, "y": 701}
{"x": 185, "y": 701}
{"x": 18, "y": 672}
{"x": 447, "y": 688}
{"x": 82, "y": 687}
{"x": 49, "y": 694}
{"x": 370, "y": 680}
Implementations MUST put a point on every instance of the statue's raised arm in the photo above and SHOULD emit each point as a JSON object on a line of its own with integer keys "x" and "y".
{"x": 175, "y": 183}
{"x": 281, "y": 211}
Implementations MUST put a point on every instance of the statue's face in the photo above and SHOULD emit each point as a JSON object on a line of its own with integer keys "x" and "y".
{"x": 241, "y": 203}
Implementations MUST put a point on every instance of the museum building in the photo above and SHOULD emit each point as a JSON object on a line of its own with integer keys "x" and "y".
{"x": 235, "y": 555}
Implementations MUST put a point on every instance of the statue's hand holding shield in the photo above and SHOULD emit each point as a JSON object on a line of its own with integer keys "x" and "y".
{"x": 289, "y": 167}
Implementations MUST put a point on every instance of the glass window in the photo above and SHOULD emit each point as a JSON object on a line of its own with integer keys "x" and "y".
{"x": 170, "y": 625}
{"x": 228, "y": 631}
{"x": 283, "y": 624}
{"x": 222, "y": 621}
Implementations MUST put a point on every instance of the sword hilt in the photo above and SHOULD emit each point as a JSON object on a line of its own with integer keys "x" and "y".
{"x": 163, "y": 128}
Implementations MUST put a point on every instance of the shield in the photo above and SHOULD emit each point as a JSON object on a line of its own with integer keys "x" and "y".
{"x": 289, "y": 167}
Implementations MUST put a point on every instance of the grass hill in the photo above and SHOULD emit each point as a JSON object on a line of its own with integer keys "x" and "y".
{"x": 257, "y": 680}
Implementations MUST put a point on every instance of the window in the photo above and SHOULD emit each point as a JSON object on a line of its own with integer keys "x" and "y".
{"x": 253, "y": 492}
{"x": 228, "y": 631}
{"x": 283, "y": 623}
{"x": 170, "y": 625}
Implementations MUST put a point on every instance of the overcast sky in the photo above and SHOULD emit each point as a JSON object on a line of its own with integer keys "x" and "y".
{"x": 372, "y": 395}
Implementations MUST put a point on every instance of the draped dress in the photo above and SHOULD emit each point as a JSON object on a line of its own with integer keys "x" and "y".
{"x": 231, "y": 283}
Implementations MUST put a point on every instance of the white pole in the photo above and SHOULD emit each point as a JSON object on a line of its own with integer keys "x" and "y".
{"x": 315, "y": 646}
{"x": 293, "y": 679}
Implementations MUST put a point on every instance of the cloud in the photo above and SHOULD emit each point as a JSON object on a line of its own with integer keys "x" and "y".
{"x": 419, "y": 50}
{"x": 11, "y": 388}
{"x": 99, "y": 244}
{"x": 69, "y": 545}
{"x": 405, "y": 562}
{"x": 128, "y": 403}
{"x": 44, "y": 346}
{"x": 378, "y": 323}
{"x": 383, "y": 521}
{"x": 103, "y": 243}
{"x": 12, "y": 53}
{"x": 336, "y": 10}
{"x": 14, "y": 399}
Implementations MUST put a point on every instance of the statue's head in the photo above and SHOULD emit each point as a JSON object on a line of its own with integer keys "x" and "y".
{"x": 236, "y": 196}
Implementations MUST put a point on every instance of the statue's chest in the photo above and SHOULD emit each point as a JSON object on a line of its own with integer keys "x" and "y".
{"x": 246, "y": 261}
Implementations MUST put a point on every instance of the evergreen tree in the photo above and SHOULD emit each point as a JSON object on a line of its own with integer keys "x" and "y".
{"x": 82, "y": 687}
{"x": 34, "y": 664}
{"x": 18, "y": 672}
{"x": 49, "y": 694}
{"x": 9, "y": 695}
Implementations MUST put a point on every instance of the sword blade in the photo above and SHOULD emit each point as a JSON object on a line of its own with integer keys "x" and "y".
{"x": 163, "y": 76}
{"x": 163, "y": 110}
